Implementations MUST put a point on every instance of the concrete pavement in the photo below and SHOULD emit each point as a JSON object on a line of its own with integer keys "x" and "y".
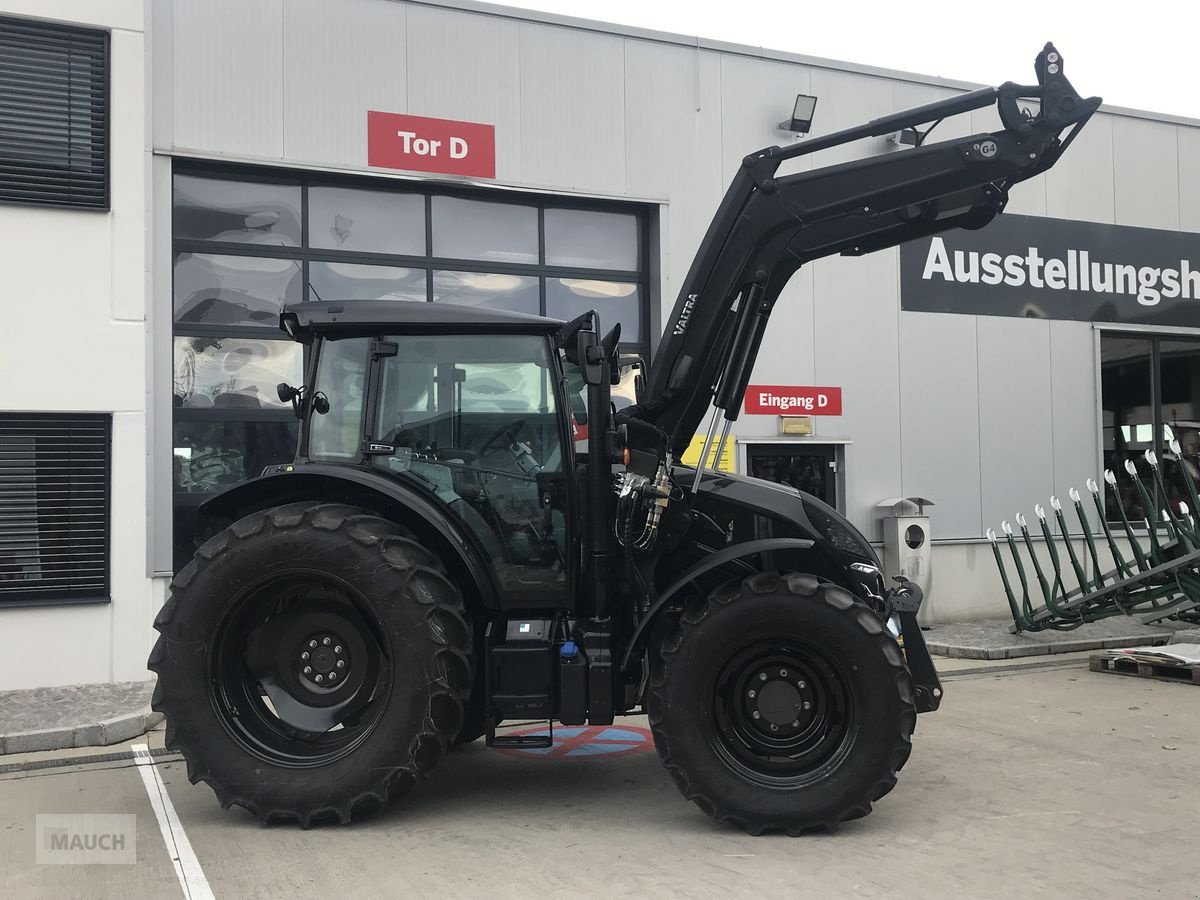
{"x": 1035, "y": 779}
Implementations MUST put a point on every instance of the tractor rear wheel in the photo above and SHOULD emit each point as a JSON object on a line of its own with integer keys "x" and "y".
{"x": 782, "y": 703}
{"x": 313, "y": 662}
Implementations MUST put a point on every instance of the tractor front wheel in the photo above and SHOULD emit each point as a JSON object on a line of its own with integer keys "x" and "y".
{"x": 782, "y": 703}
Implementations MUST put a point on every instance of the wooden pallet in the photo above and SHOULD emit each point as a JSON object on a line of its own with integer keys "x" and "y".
{"x": 1123, "y": 665}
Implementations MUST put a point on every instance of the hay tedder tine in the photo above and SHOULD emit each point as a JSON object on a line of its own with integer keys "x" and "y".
{"x": 1017, "y": 614}
{"x": 1098, "y": 579}
{"x": 1053, "y": 593}
{"x": 1156, "y": 554}
{"x": 1187, "y": 478}
{"x": 1138, "y": 553}
{"x": 1175, "y": 526}
{"x": 1066, "y": 536}
{"x": 1037, "y": 566}
{"x": 1118, "y": 557}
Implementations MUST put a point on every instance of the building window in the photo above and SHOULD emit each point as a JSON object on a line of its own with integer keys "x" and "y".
{"x": 247, "y": 241}
{"x": 54, "y": 508}
{"x": 1150, "y": 392}
{"x": 53, "y": 114}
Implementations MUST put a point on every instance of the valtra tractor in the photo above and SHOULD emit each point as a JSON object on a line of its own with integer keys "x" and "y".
{"x": 442, "y": 556}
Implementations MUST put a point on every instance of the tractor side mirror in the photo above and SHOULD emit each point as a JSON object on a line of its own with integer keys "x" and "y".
{"x": 294, "y": 395}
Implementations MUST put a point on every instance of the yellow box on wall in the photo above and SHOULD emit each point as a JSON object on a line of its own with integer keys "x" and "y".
{"x": 795, "y": 424}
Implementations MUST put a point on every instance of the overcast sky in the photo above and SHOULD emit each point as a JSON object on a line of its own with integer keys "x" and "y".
{"x": 1133, "y": 54}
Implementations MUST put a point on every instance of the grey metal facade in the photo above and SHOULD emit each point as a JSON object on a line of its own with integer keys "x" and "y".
{"x": 985, "y": 415}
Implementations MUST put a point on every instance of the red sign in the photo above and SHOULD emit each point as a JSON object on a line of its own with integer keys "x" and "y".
{"x": 396, "y": 141}
{"x": 793, "y": 400}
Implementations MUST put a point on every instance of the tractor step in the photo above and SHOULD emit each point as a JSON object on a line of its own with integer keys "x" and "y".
{"x": 1162, "y": 671}
{"x": 524, "y": 741}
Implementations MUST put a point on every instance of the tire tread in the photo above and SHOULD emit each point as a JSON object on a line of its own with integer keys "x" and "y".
{"x": 806, "y": 588}
{"x": 448, "y": 691}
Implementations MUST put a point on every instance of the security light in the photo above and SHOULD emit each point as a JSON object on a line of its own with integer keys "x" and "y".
{"x": 802, "y": 115}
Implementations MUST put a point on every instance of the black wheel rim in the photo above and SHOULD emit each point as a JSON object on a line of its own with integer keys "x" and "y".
{"x": 299, "y": 676}
{"x": 783, "y": 713}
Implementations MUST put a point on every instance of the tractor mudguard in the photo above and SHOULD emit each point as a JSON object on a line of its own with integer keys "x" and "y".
{"x": 710, "y": 562}
{"x": 313, "y": 481}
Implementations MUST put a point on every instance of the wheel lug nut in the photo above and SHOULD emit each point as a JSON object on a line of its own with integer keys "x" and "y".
{"x": 795, "y": 723}
{"x": 337, "y": 649}
{"x": 753, "y": 694}
{"x": 333, "y": 676}
{"x": 774, "y": 727}
{"x": 312, "y": 643}
{"x": 762, "y": 676}
{"x": 304, "y": 655}
{"x": 807, "y": 705}
{"x": 802, "y": 684}
{"x": 308, "y": 670}
{"x": 341, "y": 664}
{"x": 783, "y": 673}
{"x": 319, "y": 679}
{"x": 326, "y": 641}
{"x": 756, "y": 714}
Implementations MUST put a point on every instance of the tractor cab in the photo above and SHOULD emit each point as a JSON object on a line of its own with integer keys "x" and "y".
{"x": 466, "y": 407}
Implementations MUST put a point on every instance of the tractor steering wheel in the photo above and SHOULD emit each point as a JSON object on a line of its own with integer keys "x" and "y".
{"x": 509, "y": 430}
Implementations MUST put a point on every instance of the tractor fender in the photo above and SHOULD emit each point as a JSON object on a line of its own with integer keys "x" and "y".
{"x": 431, "y": 522}
{"x": 710, "y": 562}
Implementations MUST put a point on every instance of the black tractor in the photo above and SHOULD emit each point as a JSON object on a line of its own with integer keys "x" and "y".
{"x": 473, "y": 532}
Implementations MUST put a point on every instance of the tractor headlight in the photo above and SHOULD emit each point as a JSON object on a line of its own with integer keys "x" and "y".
{"x": 840, "y": 533}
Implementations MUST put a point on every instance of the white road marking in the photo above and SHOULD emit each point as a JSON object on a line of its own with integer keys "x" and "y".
{"x": 187, "y": 866}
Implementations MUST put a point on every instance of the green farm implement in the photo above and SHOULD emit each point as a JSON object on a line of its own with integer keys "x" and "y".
{"x": 1155, "y": 577}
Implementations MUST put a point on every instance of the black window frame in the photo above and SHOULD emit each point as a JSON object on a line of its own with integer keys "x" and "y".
{"x": 304, "y": 254}
{"x": 1158, "y": 423}
{"x": 91, "y": 594}
{"x": 87, "y": 191}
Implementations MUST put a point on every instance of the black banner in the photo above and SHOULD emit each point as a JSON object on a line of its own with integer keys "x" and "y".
{"x": 1056, "y": 269}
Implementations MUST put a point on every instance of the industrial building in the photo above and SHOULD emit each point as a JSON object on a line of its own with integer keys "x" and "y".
{"x": 173, "y": 171}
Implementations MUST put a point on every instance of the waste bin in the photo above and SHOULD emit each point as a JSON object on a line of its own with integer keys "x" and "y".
{"x": 906, "y": 543}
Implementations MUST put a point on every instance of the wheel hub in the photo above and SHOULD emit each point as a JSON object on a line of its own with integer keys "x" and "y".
{"x": 324, "y": 661}
{"x": 781, "y": 704}
{"x": 781, "y": 711}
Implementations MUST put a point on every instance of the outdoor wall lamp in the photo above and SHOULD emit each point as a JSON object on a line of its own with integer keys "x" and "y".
{"x": 802, "y": 115}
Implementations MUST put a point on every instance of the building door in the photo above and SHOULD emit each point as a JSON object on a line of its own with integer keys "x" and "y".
{"x": 811, "y": 468}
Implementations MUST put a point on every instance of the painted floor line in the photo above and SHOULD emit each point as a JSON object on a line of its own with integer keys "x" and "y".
{"x": 187, "y": 866}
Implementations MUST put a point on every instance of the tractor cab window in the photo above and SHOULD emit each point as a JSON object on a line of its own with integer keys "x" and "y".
{"x": 341, "y": 376}
{"x": 626, "y": 392}
{"x": 472, "y": 419}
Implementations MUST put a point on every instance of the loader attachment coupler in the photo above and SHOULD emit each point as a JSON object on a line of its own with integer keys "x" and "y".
{"x": 1157, "y": 578}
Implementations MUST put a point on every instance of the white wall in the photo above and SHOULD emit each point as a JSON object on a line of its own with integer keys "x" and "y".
{"x": 74, "y": 289}
{"x": 984, "y": 415}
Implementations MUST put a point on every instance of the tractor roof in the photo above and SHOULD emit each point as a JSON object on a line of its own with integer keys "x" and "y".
{"x": 337, "y": 318}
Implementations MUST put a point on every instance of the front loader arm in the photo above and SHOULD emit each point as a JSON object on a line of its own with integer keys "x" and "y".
{"x": 767, "y": 227}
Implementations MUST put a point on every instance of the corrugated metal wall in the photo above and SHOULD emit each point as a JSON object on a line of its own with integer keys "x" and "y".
{"x": 984, "y": 415}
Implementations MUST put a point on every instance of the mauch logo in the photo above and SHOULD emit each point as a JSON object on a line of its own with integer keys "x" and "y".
{"x": 86, "y": 839}
{"x": 685, "y": 315}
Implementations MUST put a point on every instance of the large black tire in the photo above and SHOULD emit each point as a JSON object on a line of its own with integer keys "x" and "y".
{"x": 415, "y": 612}
{"x": 846, "y": 643}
